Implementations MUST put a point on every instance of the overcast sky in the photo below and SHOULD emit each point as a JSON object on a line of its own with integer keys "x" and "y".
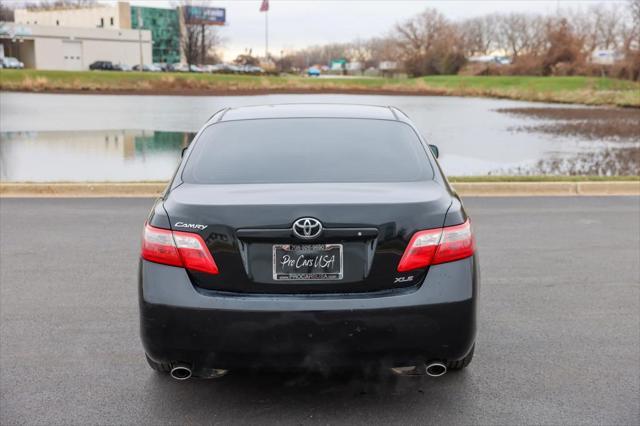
{"x": 296, "y": 24}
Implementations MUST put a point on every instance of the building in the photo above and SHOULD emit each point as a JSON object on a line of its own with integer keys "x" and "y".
{"x": 491, "y": 59}
{"x": 164, "y": 25}
{"x": 71, "y": 48}
{"x": 112, "y": 16}
{"x": 106, "y": 20}
{"x": 606, "y": 56}
{"x": 111, "y": 25}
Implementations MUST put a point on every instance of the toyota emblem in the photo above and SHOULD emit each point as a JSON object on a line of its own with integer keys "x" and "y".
{"x": 307, "y": 228}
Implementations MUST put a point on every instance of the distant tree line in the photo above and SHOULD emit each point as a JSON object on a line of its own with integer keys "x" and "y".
{"x": 56, "y": 4}
{"x": 430, "y": 43}
{"x": 536, "y": 44}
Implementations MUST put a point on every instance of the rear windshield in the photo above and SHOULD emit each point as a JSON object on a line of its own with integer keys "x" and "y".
{"x": 307, "y": 150}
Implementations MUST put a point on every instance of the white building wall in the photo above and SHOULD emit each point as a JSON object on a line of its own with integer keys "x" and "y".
{"x": 48, "y": 54}
{"x": 119, "y": 53}
{"x": 52, "y": 44}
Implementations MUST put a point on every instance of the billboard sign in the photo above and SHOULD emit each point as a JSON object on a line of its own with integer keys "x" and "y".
{"x": 197, "y": 15}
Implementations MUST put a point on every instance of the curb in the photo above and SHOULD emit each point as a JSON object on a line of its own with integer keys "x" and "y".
{"x": 76, "y": 190}
{"x": 528, "y": 189}
{"x": 465, "y": 189}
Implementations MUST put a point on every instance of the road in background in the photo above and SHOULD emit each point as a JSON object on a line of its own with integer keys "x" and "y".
{"x": 558, "y": 341}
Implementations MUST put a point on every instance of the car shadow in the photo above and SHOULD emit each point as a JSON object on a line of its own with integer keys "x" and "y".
{"x": 301, "y": 395}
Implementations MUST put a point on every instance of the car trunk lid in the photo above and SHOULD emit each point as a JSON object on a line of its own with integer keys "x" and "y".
{"x": 370, "y": 222}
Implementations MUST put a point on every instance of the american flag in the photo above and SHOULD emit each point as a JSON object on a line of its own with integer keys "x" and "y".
{"x": 264, "y": 7}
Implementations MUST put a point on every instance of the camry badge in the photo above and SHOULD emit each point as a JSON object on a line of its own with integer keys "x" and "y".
{"x": 307, "y": 228}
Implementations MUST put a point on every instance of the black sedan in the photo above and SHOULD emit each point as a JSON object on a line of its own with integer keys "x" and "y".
{"x": 103, "y": 66}
{"x": 308, "y": 236}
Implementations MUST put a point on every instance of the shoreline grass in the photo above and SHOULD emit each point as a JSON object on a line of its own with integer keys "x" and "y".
{"x": 574, "y": 90}
{"x": 452, "y": 179}
{"x": 538, "y": 178}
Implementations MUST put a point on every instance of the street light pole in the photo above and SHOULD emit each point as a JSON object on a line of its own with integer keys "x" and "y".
{"x": 140, "y": 39}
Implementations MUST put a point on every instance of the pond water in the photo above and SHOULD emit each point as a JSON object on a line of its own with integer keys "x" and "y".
{"x": 55, "y": 137}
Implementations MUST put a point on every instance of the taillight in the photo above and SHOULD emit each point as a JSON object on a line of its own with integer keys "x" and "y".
{"x": 158, "y": 246}
{"x": 435, "y": 246}
{"x": 183, "y": 249}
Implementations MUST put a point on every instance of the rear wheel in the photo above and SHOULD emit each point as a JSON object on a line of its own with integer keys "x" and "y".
{"x": 459, "y": 365}
{"x": 158, "y": 366}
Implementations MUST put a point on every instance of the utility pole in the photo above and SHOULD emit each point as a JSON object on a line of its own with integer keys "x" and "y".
{"x": 203, "y": 46}
{"x": 140, "y": 39}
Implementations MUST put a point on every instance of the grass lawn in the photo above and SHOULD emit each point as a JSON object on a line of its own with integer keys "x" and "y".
{"x": 580, "y": 90}
{"x": 544, "y": 84}
{"x": 461, "y": 179}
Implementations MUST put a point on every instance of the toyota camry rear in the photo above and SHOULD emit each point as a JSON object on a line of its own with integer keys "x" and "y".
{"x": 299, "y": 236}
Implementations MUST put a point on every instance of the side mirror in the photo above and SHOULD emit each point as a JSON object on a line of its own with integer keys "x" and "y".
{"x": 434, "y": 150}
{"x": 183, "y": 150}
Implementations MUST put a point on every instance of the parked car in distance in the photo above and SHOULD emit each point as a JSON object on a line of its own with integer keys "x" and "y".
{"x": 180, "y": 68}
{"x": 164, "y": 67}
{"x": 207, "y": 68}
{"x": 313, "y": 72}
{"x": 147, "y": 68}
{"x": 218, "y": 68}
{"x": 103, "y": 66}
{"x": 122, "y": 67}
{"x": 187, "y": 68}
{"x": 251, "y": 69}
{"x": 10, "y": 62}
{"x": 272, "y": 248}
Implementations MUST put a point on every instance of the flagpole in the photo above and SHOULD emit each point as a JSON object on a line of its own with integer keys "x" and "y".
{"x": 264, "y": 7}
{"x": 266, "y": 35}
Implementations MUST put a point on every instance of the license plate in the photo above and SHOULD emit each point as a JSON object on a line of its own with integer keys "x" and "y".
{"x": 307, "y": 262}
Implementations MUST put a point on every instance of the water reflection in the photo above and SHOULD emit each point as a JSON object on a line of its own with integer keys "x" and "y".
{"x": 101, "y": 155}
{"x": 44, "y": 142}
{"x": 148, "y": 155}
{"x": 618, "y": 161}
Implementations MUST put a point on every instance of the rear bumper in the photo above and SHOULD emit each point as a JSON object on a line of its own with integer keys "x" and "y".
{"x": 180, "y": 323}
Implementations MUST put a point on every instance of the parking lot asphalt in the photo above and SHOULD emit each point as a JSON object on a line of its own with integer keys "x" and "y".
{"x": 558, "y": 339}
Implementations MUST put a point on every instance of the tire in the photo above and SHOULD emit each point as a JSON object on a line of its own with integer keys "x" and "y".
{"x": 158, "y": 366}
{"x": 459, "y": 365}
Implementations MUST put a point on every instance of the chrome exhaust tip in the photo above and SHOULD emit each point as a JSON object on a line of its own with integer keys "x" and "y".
{"x": 436, "y": 369}
{"x": 181, "y": 372}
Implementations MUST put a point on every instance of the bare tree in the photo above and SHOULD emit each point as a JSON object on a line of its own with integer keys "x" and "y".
{"x": 360, "y": 51}
{"x": 562, "y": 47}
{"x": 247, "y": 59}
{"x": 58, "y": 4}
{"x": 583, "y": 24}
{"x": 199, "y": 42}
{"x": 520, "y": 33}
{"x": 430, "y": 44}
{"x": 634, "y": 7}
{"x": 6, "y": 13}
{"x": 632, "y": 41}
{"x": 383, "y": 49}
{"x": 479, "y": 34}
{"x": 313, "y": 55}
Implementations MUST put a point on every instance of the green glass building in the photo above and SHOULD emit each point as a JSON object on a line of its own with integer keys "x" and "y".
{"x": 164, "y": 25}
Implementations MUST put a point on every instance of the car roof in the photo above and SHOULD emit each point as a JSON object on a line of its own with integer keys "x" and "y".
{"x": 307, "y": 111}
